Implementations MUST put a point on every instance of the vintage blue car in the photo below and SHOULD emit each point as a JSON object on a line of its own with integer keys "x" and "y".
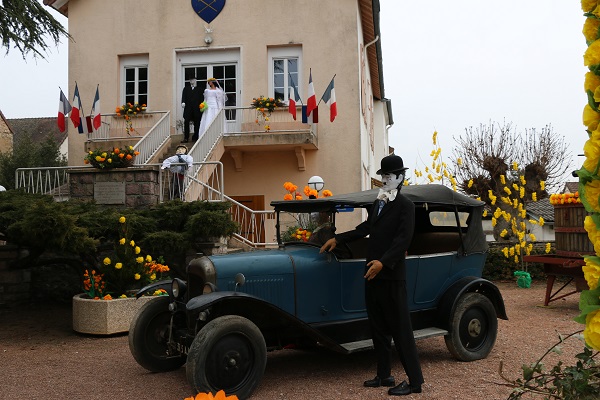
{"x": 234, "y": 308}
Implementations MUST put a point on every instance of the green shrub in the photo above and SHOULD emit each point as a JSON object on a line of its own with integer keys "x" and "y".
{"x": 87, "y": 230}
{"x": 497, "y": 267}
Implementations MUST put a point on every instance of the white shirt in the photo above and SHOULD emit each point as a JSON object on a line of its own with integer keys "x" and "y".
{"x": 178, "y": 169}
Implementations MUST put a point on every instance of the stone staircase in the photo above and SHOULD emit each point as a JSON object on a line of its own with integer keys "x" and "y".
{"x": 170, "y": 151}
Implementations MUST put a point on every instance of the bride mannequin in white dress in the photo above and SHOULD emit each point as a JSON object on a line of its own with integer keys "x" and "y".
{"x": 215, "y": 98}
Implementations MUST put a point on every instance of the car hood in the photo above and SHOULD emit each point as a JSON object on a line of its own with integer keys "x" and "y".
{"x": 253, "y": 263}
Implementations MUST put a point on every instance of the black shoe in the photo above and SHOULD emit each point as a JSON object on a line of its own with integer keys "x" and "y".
{"x": 404, "y": 389}
{"x": 377, "y": 381}
{"x": 184, "y": 141}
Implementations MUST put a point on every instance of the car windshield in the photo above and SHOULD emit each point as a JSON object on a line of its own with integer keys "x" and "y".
{"x": 438, "y": 209}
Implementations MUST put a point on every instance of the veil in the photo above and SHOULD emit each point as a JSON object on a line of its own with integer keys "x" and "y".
{"x": 221, "y": 95}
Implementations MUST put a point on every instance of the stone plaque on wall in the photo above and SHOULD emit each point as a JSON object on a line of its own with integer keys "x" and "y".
{"x": 109, "y": 192}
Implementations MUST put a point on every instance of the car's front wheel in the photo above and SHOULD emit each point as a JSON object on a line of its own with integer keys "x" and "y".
{"x": 229, "y": 354}
{"x": 148, "y": 336}
{"x": 473, "y": 328}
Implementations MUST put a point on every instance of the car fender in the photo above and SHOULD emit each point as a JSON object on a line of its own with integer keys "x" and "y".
{"x": 465, "y": 285}
{"x": 263, "y": 314}
{"x": 153, "y": 287}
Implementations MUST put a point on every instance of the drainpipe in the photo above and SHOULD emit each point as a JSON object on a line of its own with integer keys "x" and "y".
{"x": 366, "y": 47}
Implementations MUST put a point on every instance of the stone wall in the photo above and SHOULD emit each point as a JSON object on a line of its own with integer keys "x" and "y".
{"x": 129, "y": 187}
{"x": 15, "y": 284}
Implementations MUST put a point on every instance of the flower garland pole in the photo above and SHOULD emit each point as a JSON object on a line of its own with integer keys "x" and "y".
{"x": 507, "y": 200}
{"x": 589, "y": 178}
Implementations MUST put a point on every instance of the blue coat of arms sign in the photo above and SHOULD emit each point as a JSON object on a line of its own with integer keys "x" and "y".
{"x": 208, "y": 9}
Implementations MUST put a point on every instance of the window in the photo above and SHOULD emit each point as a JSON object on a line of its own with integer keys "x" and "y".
{"x": 134, "y": 79}
{"x": 285, "y": 70}
{"x": 448, "y": 218}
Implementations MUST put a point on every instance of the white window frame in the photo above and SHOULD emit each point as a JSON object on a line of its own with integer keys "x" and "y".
{"x": 134, "y": 62}
{"x": 285, "y": 53}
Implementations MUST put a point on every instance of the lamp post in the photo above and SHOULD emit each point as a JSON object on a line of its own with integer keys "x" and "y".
{"x": 316, "y": 183}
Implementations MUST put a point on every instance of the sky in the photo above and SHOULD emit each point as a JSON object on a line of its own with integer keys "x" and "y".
{"x": 447, "y": 66}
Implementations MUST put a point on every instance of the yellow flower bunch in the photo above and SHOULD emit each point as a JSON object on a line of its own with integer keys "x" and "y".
{"x": 302, "y": 234}
{"x": 266, "y": 104}
{"x": 438, "y": 171}
{"x": 123, "y": 270}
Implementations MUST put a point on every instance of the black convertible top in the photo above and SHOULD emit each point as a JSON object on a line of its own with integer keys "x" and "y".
{"x": 425, "y": 197}
{"x": 418, "y": 194}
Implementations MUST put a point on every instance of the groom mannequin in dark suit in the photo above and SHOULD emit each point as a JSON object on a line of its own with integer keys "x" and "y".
{"x": 390, "y": 227}
{"x": 191, "y": 98}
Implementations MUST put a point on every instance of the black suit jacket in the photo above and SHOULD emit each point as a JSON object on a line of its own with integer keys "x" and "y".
{"x": 192, "y": 99}
{"x": 390, "y": 234}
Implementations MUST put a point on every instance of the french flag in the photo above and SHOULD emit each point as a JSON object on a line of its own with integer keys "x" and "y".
{"x": 294, "y": 97}
{"x": 64, "y": 108}
{"x": 75, "y": 113}
{"x": 311, "y": 102}
{"x": 96, "y": 117}
{"x": 329, "y": 98}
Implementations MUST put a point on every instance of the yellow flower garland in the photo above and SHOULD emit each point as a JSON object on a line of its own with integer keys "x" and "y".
{"x": 589, "y": 179}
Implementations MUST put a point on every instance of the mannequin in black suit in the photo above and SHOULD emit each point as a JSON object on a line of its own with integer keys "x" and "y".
{"x": 191, "y": 98}
{"x": 390, "y": 227}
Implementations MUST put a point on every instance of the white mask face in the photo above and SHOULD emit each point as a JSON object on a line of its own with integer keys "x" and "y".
{"x": 392, "y": 181}
{"x": 180, "y": 150}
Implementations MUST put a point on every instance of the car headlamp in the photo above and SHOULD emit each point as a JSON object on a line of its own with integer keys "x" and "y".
{"x": 178, "y": 288}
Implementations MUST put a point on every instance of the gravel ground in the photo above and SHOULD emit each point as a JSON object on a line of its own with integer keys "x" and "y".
{"x": 41, "y": 357}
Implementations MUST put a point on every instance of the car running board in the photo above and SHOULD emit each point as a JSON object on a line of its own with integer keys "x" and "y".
{"x": 367, "y": 344}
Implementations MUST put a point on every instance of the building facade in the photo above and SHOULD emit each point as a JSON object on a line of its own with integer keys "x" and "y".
{"x": 147, "y": 52}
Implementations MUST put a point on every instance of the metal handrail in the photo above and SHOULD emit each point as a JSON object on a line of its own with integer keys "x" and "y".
{"x": 156, "y": 137}
{"x": 55, "y": 181}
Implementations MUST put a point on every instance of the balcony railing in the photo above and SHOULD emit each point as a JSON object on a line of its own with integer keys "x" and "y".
{"x": 113, "y": 126}
{"x": 249, "y": 120}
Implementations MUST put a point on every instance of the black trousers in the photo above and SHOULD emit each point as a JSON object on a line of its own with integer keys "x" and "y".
{"x": 195, "y": 118}
{"x": 389, "y": 318}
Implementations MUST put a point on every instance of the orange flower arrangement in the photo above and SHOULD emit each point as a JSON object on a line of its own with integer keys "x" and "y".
{"x": 208, "y": 396}
{"x": 128, "y": 110}
{"x": 302, "y": 234}
{"x": 313, "y": 194}
{"x": 117, "y": 158}
{"x": 308, "y": 192}
{"x": 291, "y": 188}
{"x": 565, "y": 198}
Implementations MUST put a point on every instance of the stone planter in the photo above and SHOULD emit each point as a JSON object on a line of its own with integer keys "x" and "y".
{"x": 105, "y": 317}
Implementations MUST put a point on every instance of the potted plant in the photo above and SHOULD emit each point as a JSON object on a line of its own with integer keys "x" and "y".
{"x": 118, "y": 157}
{"x": 264, "y": 107}
{"x": 108, "y": 304}
{"x": 128, "y": 111}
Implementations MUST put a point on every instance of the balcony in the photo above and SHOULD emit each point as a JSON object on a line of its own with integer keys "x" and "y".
{"x": 246, "y": 132}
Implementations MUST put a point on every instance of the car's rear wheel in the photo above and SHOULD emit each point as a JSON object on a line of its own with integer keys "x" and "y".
{"x": 473, "y": 328}
{"x": 229, "y": 353}
{"x": 148, "y": 335}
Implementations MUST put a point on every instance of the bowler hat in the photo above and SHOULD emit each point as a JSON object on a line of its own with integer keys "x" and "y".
{"x": 183, "y": 147}
{"x": 391, "y": 163}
